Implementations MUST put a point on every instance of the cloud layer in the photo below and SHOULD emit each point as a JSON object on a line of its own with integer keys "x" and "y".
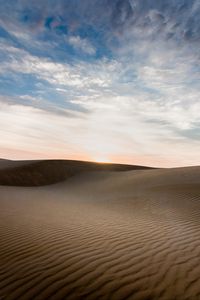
{"x": 117, "y": 80}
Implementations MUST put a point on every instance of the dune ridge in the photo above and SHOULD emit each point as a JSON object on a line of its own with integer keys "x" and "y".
{"x": 103, "y": 235}
{"x": 44, "y": 172}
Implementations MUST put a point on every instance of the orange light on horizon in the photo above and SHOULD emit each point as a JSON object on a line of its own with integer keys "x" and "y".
{"x": 101, "y": 159}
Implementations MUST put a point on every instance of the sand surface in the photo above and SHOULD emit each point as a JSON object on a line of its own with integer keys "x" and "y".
{"x": 102, "y": 235}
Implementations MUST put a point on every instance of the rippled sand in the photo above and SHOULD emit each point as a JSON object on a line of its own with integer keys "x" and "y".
{"x": 103, "y": 235}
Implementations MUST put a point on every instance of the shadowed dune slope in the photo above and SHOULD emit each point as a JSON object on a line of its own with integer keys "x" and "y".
{"x": 103, "y": 235}
{"x": 44, "y": 172}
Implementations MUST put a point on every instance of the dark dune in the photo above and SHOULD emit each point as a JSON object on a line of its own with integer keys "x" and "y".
{"x": 38, "y": 173}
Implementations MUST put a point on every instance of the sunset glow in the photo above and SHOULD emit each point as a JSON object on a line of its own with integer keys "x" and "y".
{"x": 101, "y": 159}
{"x": 100, "y": 80}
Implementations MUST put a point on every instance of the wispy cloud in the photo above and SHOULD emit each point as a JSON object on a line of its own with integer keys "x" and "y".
{"x": 82, "y": 44}
{"x": 116, "y": 78}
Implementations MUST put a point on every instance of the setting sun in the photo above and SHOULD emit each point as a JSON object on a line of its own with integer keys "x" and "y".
{"x": 101, "y": 159}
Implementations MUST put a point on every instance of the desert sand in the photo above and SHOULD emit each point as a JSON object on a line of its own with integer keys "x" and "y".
{"x": 75, "y": 230}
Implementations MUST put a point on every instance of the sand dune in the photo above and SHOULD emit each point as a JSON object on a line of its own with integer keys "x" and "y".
{"x": 102, "y": 235}
{"x": 38, "y": 173}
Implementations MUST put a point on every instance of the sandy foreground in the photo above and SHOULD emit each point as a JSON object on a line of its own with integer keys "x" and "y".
{"x": 102, "y": 234}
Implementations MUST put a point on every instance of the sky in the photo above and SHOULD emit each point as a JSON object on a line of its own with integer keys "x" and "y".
{"x": 101, "y": 80}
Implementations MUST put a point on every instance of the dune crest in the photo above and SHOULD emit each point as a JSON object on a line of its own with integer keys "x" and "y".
{"x": 45, "y": 172}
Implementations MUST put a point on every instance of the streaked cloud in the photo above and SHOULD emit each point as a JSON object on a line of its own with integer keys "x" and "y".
{"x": 82, "y": 44}
{"x": 118, "y": 80}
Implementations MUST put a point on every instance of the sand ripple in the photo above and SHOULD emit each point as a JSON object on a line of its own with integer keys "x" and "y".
{"x": 132, "y": 235}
